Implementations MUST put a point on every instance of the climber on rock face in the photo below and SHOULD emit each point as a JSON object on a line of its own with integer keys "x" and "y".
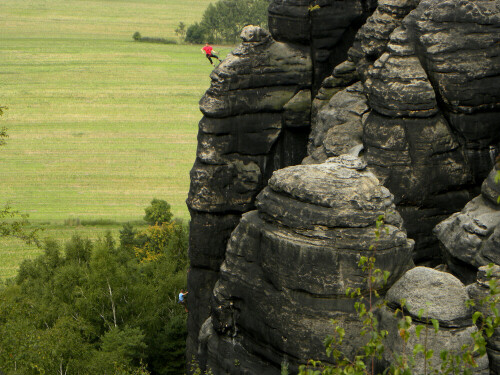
{"x": 207, "y": 50}
{"x": 182, "y": 299}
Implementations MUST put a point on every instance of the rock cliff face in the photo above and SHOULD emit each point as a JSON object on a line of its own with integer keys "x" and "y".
{"x": 253, "y": 124}
{"x": 290, "y": 263}
{"x": 328, "y": 27}
{"x": 389, "y": 108}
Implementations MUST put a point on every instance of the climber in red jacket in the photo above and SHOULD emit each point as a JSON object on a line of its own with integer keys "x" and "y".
{"x": 207, "y": 50}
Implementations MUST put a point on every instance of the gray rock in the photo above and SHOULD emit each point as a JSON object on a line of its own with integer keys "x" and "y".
{"x": 297, "y": 112}
{"x": 372, "y": 38}
{"x": 343, "y": 75}
{"x": 430, "y": 294}
{"x": 490, "y": 189}
{"x": 417, "y": 100}
{"x": 327, "y": 26}
{"x": 397, "y": 85}
{"x": 471, "y": 238}
{"x": 420, "y": 161}
{"x": 261, "y": 86}
{"x": 338, "y": 125}
{"x": 464, "y": 232}
{"x": 439, "y": 294}
{"x": 458, "y": 44}
{"x": 430, "y": 65}
{"x": 289, "y": 264}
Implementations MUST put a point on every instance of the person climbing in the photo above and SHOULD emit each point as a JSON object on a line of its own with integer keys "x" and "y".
{"x": 207, "y": 50}
{"x": 182, "y": 299}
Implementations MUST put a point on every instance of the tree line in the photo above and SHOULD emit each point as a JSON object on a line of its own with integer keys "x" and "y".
{"x": 100, "y": 307}
{"x": 223, "y": 21}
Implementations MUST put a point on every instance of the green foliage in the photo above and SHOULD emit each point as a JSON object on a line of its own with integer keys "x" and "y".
{"x": 166, "y": 240}
{"x": 94, "y": 167}
{"x": 139, "y": 38}
{"x": 158, "y": 212}
{"x": 195, "y": 34}
{"x": 12, "y": 222}
{"x": 224, "y": 20}
{"x": 95, "y": 308}
{"x": 146, "y": 39}
{"x": 3, "y": 130}
{"x": 3, "y": 136}
{"x": 181, "y": 30}
{"x": 15, "y": 224}
{"x": 284, "y": 368}
{"x": 196, "y": 370}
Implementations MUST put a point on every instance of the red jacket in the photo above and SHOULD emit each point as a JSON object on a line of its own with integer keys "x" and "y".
{"x": 208, "y": 50}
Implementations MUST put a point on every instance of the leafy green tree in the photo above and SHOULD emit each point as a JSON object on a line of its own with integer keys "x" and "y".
{"x": 181, "y": 30}
{"x": 223, "y": 20}
{"x": 195, "y": 34}
{"x": 158, "y": 212}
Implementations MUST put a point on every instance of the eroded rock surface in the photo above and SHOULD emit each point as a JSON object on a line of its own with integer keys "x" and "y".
{"x": 253, "y": 124}
{"x": 327, "y": 26}
{"x": 471, "y": 238}
{"x": 458, "y": 44}
{"x": 338, "y": 126}
{"x": 416, "y": 98}
{"x": 288, "y": 266}
{"x": 427, "y": 89}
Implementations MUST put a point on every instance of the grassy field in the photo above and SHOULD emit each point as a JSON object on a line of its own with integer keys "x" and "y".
{"x": 98, "y": 124}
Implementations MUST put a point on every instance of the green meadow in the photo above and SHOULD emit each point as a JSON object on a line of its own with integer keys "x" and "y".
{"x": 98, "y": 124}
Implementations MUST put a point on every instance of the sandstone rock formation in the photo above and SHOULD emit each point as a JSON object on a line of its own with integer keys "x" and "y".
{"x": 412, "y": 91}
{"x": 327, "y": 26}
{"x": 256, "y": 120}
{"x": 421, "y": 128}
{"x": 440, "y": 296}
{"x": 471, "y": 238}
{"x": 338, "y": 126}
{"x": 290, "y": 263}
{"x": 252, "y": 125}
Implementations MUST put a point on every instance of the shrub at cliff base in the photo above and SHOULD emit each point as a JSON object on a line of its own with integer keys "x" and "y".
{"x": 97, "y": 307}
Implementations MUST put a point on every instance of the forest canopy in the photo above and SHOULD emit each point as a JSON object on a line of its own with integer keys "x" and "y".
{"x": 98, "y": 307}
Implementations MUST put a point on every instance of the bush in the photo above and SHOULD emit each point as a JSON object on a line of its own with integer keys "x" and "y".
{"x": 98, "y": 222}
{"x": 158, "y": 212}
{"x": 138, "y": 38}
{"x": 181, "y": 30}
{"x": 158, "y": 40}
{"x": 195, "y": 34}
